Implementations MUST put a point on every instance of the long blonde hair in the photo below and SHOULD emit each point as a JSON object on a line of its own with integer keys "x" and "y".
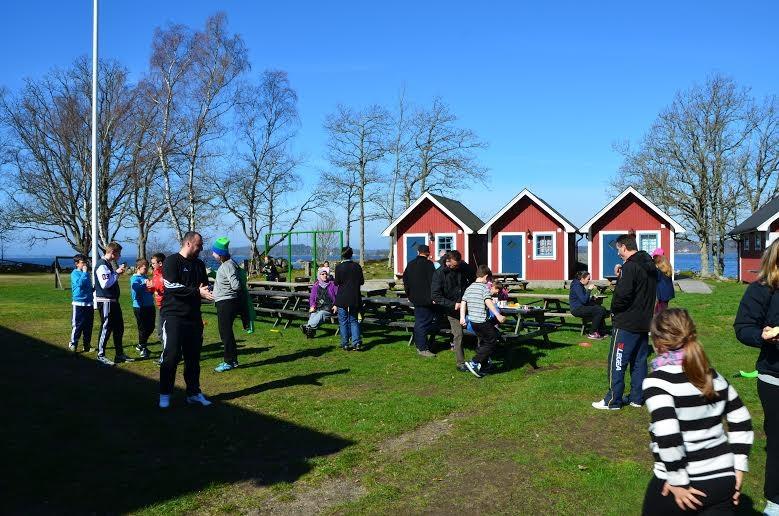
{"x": 664, "y": 265}
{"x": 674, "y": 329}
{"x": 769, "y": 266}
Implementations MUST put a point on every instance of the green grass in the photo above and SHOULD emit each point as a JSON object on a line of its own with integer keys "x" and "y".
{"x": 380, "y": 432}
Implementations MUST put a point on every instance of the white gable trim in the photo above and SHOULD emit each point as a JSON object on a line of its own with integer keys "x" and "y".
{"x": 527, "y": 193}
{"x": 416, "y": 203}
{"x": 767, "y": 224}
{"x": 630, "y": 190}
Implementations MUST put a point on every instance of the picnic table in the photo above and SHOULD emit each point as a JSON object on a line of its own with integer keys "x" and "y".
{"x": 511, "y": 280}
{"x": 279, "y": 285}
{"x": 554, "y": 305}
{"x": 286, "y": 297}
{"x": 522, "y": 314}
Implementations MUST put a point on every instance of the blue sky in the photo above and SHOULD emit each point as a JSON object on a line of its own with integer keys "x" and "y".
{"x": 550, "y": 86}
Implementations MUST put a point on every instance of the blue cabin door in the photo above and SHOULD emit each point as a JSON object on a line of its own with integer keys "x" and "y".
{"x": 511, "y": 251}
{"x": 609, "y": 253}
{"x": 412, "y": 242}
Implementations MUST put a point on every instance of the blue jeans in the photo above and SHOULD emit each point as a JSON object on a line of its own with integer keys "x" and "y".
{"x": 349, "y": 327}
{"x": 627, "y": 349}
{"x": 424, "y": 324}
{"x": 318, "y": 317}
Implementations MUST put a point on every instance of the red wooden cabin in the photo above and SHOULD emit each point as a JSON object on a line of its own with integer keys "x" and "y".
{"x": 443, "y": 224}
{"x": 753, "y": 236}
{"x": 530, "y": 238}
{"x": 629, "y": 212}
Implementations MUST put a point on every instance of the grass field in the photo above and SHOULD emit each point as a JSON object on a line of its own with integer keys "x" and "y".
{"x": 303, "y": 427}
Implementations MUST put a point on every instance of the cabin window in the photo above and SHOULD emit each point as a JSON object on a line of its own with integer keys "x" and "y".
{"x": 444, "y": 243}
{"x": 544, "y": 246}
{"x": 758, "y": 242}
{"x": 746, "y": 243}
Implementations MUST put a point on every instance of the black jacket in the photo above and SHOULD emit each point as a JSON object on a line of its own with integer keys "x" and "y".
{"x": 449, "y": 285}
{"x": 348, "y": 278}
{"x": 759, "y": 308}
{"x": 183, "y": 278}
{"x": 633, "y": 304}
{"x": 417, "y": 281}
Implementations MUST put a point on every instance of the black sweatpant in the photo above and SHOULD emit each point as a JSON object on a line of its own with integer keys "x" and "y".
{"x": 144, "y": 318}
{"x": 111, "y": 322}
{"x": 181, "y": 337}
{"x": 769, "y": 397}
{"x": 226, "y": 312}
{"x": 83, "y": 318}
{"x": 595, "y": 312}
{"x": 718, "y": 499}
{"x": 488, "y": 340}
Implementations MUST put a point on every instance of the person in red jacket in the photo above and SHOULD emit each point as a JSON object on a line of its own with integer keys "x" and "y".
{"x": 156, "y": 286}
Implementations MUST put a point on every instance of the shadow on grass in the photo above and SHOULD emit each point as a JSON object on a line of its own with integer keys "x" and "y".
{"x": 291, "y": 357}
{"x": 81, "y": 438}
{"x": 303, "y": 379}
{"x": 243, "y": 352}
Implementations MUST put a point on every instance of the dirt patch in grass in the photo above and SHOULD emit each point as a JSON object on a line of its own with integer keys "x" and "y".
{"x": 608, "y": 434}
{"x": 330, "y": 493}
{"x": 421, "y": 437}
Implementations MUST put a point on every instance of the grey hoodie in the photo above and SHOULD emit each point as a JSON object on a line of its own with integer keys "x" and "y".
{"x": 227, "y": 285}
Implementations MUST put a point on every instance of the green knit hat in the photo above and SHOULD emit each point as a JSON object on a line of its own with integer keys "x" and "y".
{"x": 221, "y": 245}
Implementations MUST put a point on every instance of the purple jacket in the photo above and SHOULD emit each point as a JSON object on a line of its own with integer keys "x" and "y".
{"x": 332, "y": 290}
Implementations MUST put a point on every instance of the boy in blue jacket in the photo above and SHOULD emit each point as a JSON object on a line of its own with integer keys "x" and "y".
{"x": 83, "y": 310}
{"x": 143, "y": 306}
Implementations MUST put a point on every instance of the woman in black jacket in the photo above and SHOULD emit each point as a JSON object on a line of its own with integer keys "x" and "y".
{"x": 757, "y": 325}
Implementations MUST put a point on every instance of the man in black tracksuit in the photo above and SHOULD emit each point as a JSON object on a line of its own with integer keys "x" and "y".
{"x": 449, "y": 284}
{"x": 632, "y": 306}
{"x": 186, "y": 283}
{"x": 758, "y": 314}
{"x": 417, "y": 282}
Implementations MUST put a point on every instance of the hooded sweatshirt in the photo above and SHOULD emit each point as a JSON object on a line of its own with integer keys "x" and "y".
{"x": 633, "y": 303}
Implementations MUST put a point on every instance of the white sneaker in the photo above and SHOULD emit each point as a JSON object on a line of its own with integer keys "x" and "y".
{"x": 164, "y": 400}
{"x": 601, "y": 405}
{"x": 771, "y": 509}
{"x": 634, "y": 404}
{"x": 198, "y": 399}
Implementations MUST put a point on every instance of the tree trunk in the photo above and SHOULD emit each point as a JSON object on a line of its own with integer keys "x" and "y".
{"x": 143, "y": 237}
{"x": 362, "y": 226}
{"x": 704, "y": 257}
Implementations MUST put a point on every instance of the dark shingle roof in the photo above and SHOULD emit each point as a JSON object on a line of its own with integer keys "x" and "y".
{"x": 559, "y": 215}
{"x": 459, "y": 210}
{"x": 768, "y": 210}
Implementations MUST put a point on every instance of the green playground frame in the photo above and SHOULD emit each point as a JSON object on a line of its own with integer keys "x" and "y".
{"x": 288, "y": 236}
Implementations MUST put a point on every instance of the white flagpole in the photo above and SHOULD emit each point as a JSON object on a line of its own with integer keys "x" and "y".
{"x": 94, "y": 135}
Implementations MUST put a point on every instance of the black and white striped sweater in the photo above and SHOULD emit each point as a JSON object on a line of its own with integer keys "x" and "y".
{"x": 689, "y": 442}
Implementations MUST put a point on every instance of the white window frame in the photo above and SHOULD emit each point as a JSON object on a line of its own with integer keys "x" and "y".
{"x": 501, "y": 234}
{"x": 745, "y": 246}
{"x": 639, "y": 234}
{"x": 758, "y": 242}
{"x": 435, "y": 242}
{"x": 405, "y": 245}
{"x": 537, "y": 234}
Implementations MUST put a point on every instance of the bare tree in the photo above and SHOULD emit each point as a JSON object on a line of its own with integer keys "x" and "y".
{"x": 400, "y": 150}
{"x": 48, "y": 124}
{"x": 758, "y": 164}
{"x": 146, "y": 204}
{"x": 256, "y": 190}
{"x": 445, "y": 154}
{"x": 193, "y": 76}
{"x": 6, "y": 229}
{"x": 356, "y": 143}
{"x": 688, "y": 161}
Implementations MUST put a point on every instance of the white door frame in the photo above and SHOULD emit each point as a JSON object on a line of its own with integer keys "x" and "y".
{"x": 500, "y": 250}
{"x": 600, "y": 250}
{"x": 405, "y": 246}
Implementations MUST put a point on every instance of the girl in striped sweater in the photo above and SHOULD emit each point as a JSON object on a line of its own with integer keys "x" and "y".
{"x": 696, "y": 460}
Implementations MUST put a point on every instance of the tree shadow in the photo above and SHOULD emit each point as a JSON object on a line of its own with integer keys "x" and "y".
{"x": 291, "y": 357}
{"x": 82, "y": 438}
{"x": 303, "y": 379}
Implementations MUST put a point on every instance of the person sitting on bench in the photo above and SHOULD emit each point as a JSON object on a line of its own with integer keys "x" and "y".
{"x": 582, "y": 305}
{"x": 321, "y": 302}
